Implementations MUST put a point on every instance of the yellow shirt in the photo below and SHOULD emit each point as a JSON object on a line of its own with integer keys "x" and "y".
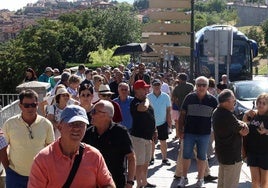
{"x": 22, "y": 145}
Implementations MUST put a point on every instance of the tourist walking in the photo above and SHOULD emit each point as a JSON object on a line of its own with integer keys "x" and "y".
{"x": 161, "y": 103}
{"x": 113, "y": 141}
{"x": 143, "y": 131}
{"x": 54, "y": 166}
{"x": 26, "y": 134}
{"x": 195, "y": 128}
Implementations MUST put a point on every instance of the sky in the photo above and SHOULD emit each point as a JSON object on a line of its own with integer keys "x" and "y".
{"x": 17, "y": 4}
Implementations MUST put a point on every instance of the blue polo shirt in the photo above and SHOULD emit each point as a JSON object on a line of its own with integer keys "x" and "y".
{"x": 125, "y": 109}
{"x": 160, "y": 104}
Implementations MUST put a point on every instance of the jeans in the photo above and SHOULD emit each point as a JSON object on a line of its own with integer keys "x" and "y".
{"x": 15, "y": 180}
{"x": 201, "y": 142}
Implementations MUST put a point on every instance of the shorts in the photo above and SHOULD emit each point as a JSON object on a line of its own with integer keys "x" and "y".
{"x": 201, "y": 142}
{"x": 257, "y": 160}
{"x": 175, "y": 115}
{"x": 142, "y": 149}
{"x": 162, "y": 131}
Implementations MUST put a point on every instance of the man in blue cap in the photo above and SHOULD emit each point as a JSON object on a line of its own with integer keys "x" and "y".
{"x": 161, "y": 103}
{"x": 53, "y": 165}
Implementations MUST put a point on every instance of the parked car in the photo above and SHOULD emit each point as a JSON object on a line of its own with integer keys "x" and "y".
{"x": 246, "y": 93}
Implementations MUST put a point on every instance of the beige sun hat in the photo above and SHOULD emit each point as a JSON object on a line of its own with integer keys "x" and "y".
{"x": 105, "y": 89}
{"x": 62, "y": 91}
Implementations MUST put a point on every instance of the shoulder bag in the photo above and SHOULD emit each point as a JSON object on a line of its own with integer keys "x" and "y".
{"x": 75, "y": 167}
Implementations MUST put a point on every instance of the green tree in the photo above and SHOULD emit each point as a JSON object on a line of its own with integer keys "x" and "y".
{"x": 216, "y": 5}
{"x": 40, "y": 45}
{"x": 141, "y": 4}
{"x": 12, "y": 66}
{"x": 200, "y": 21}
{"x": 119, "y": 27}
{"x": 264, "y": 27}
{"x": 72, "y": 38}
{"x": 105, "y": 57}
{"x": 253, "y": 33}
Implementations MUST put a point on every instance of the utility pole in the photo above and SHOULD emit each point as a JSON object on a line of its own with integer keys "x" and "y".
{"x": 192, "y": 43}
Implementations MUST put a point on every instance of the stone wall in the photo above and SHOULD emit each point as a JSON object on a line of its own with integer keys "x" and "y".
{"x": 251, "y": 15}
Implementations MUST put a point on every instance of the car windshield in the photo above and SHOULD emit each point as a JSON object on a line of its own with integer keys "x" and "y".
{"x": 250, "y": 90}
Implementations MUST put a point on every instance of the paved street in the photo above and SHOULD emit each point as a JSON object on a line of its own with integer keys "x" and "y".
{"x": 162, "y": 176}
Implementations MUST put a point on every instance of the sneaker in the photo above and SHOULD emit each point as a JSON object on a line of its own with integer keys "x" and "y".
{"x": 183, "y": 181}
{"x": 166, "y": 162}
{"x": 151, "y": 161}
{"x": 200, "y": 183}
{"x": 210, "y": 178}
{"x": 150, "y": 185}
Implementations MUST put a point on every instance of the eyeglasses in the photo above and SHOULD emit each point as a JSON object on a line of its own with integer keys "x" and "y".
{"x": 30, "y": 132}
{"x": 123, "y": 89}
{"x": 94, "y": 111}
{"x": 76, "y": 124}
{"x": 29, "y": 105}
{"x": 86, "y": 95}
{"x": 201, "y": 85}
{"x": 106, "y": 95}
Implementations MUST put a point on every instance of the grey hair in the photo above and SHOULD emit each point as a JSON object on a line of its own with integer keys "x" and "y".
{"x": 201, "y": 78}
{"x": 225, "y": 95}
{"x": 108, "y": 107}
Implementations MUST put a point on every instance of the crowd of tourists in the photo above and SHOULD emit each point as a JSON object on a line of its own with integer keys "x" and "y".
{"x": 99, "y": 128}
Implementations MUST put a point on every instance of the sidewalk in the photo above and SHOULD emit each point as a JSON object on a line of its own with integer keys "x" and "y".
{"x": 162, "y": 176}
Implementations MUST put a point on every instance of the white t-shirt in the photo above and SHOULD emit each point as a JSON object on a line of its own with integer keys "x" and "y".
{"x": 165, "y": 88}
{"x": 54, "y": 110}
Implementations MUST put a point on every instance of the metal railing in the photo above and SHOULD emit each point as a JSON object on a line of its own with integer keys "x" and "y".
{"x": 8, "y": 106}
{"x": 6, "y": 99}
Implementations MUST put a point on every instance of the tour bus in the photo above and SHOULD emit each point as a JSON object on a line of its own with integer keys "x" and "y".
{"x": 240, "y": 67}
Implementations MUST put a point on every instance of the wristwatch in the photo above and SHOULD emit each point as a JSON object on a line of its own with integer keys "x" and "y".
{"x": 130, "y": 182}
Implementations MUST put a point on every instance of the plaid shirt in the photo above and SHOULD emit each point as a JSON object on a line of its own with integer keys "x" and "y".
{"x": 3, "y": 142}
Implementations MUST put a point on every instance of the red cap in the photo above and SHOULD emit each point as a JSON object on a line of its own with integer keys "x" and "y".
{"x": 140, "y": 84}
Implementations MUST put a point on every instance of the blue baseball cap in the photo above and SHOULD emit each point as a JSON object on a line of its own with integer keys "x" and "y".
{"x": 72, "y": 113}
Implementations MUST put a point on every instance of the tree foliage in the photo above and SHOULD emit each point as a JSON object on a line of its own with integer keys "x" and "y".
{"x": 102, "y": 56}
{"x": 212, "y": 12}
{"x": 254, "y": 34}
{"x": 141, "y": 4}
{"x": 72, "y": 38}
{"x": 264, "y": 27}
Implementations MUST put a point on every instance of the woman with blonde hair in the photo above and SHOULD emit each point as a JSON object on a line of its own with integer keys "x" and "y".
{"x": 255, "y": 143}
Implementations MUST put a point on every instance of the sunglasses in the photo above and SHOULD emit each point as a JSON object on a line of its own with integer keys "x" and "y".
{"x": 94, "y": 111}
{"x": 29, "y": 105}
{"x": 157, "y": 84}
{"x": 201, "y": 85}
{"x": 86, "y": 95}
